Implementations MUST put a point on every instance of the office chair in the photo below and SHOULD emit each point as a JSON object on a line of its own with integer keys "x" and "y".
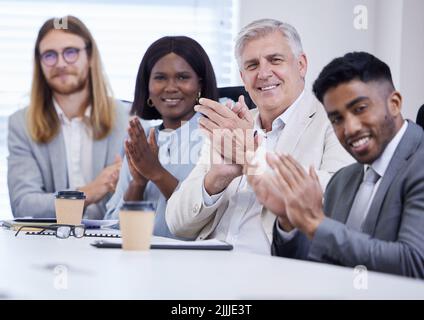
{"x": 420, "y": 117}
{"x": 234, "y": 92}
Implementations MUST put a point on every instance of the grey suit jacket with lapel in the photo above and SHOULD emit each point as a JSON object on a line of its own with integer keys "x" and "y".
{"x": 392, "y": 239}
{"x": 36, "y": 171}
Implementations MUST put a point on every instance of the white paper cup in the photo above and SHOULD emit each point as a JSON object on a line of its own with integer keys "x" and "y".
{"x": 69, "y": 207}
{"x": 136, "y": 220}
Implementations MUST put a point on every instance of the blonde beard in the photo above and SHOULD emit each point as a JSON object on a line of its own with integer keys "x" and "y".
{"x": 79, "y": 86}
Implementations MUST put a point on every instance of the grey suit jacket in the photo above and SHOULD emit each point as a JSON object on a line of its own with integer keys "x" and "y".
{"x": 36, "y": 171}
{"x": 392, "y": 240}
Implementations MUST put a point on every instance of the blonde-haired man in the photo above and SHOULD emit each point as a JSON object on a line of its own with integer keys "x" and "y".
{"x": 70, "y": 136}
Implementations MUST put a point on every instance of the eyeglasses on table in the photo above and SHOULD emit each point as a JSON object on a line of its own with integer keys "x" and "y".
{"x": 61, "y": 231}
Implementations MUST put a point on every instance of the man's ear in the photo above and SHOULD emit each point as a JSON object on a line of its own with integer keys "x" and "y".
{"x": 302, "y": 63}
{"x": 242, "y": 79}
{"x": 395, "y": 103}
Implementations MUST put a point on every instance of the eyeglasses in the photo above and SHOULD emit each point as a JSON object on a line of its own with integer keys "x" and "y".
{"x": 70, "y": 55}
{"x": 61, "y": 231}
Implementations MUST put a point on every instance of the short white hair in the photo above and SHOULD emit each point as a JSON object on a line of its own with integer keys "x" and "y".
{"x": 263, "y": 27}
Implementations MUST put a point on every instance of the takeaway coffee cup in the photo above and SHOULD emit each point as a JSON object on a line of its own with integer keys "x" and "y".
{"x": 69, "y": 207}
{"x": 136, "y": 220}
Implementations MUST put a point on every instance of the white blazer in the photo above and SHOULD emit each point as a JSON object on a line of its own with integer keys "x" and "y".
{"x": 308, "y": 137}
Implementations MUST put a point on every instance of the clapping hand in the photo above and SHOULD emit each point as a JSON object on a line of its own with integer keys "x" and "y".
{"x": 142, "y": 153}
{"x": 301, "y": 191}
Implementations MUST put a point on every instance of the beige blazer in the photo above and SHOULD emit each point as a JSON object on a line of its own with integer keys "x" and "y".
{"x": 308, "y": 137}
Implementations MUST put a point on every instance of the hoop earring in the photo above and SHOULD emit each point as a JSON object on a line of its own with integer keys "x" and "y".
{"x": 150, "y": 103}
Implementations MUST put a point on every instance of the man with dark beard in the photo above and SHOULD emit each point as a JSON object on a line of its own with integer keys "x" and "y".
{"x": 70, "y": 136}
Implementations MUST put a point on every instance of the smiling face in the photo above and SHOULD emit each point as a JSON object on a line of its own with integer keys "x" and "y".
{"x": 273, "y": 76}
{"x": 365, "y": 117}
{"x": 63, "y": 77}
{"x": 173, "y": 88}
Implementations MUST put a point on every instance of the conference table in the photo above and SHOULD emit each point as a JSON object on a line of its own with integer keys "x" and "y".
{"x": 45, "y": 267}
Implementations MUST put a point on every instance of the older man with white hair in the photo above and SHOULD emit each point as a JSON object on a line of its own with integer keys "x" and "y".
{"x": 215, "y": 201}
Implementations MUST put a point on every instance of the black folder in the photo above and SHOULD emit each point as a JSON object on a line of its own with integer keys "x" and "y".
{"x": 189, "y": 245}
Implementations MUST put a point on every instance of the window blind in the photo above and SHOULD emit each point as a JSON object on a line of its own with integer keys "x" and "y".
{"x": 123, "y": 30}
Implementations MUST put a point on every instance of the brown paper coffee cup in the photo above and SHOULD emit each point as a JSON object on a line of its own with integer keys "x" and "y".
{"x": 69, "y": 207}
{"x": 136, "y": 219}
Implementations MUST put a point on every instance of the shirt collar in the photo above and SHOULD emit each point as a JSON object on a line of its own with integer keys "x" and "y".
{"x": 380, "y": 165}
{"x": 192, "y": 124}
{"x": 63, "y": 117}
{"x": 282, "y": 119}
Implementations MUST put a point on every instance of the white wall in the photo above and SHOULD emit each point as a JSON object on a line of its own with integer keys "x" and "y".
{"x": 325, "y": 26}
{"x": 389, "y": 25}
{"x": 412, "y": 57}
{"x": 395, "y": 34}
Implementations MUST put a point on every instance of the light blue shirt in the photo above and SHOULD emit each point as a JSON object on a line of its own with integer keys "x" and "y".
{"x": 179, "y": 151}
{"x": 381, "y": 164}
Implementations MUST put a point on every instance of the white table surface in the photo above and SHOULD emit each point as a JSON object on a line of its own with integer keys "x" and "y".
{"x": 44, "y": 267}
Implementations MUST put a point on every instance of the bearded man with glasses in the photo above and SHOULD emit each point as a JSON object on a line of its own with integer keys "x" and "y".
{"x": 70, "y": 136}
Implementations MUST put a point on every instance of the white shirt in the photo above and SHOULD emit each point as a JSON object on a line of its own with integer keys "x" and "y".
{"x": 380, "y": 165}
{"x": 78, "y": 137}
{"x": 241, "y": 224}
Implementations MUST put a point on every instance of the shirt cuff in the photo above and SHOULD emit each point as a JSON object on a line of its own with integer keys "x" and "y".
{"x": 285, "y": 236}
{"x": 210, "y": 200}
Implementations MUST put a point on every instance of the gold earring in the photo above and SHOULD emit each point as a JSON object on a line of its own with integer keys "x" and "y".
{"x": 198, "y": 97}
{"x": 150, "y": 102}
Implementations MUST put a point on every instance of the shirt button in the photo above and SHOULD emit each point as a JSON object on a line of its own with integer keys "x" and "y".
{"x": 195, "y": 208}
